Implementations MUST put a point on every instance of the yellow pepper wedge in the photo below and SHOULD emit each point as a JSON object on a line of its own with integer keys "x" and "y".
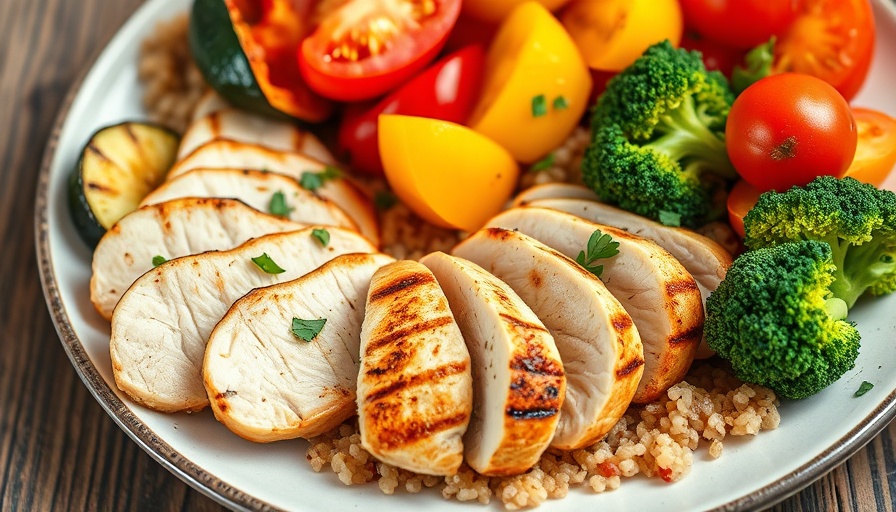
{"x": 536, "y": 85}
{"x": 446, "y": 173}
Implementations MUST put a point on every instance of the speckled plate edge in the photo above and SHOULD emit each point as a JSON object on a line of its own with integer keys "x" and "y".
{"x": 236, "y": 499}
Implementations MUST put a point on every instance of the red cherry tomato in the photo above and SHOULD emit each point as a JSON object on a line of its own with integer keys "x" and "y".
{"x": 832, "y": 40}
{"x": 741, "y": 200}
{"x": 716, "y": 56}
{"x": 740, "y": 23}
{"x": 361, "y": 49}
{"x": 447, "y": 90}
{"x": 785, "y": 130}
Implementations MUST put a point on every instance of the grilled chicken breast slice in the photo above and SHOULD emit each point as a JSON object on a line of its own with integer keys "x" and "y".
{"x": 597, "y": 340}
{"x": 208, "y": 103}
{"x": 229, "y": 154}
{"x": 415, "y": 390}
{"x": 653, "y": 287}
{"x": 162, "y": 323}
{"x": 518, "y": 379}
{"x": 257, "y": 189}
{"x": 170, "y": 230}
{"x": 266, "y": 383}
{"x": 554, "y": 191}
{"x": 703, "y": 258}
{"x": 239, "y": 125}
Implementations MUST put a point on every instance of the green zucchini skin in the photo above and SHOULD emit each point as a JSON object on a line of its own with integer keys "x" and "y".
{"x": 86, "y": 224}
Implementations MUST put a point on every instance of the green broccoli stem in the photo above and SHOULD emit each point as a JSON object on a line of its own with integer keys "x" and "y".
{"x": 858, "y": 267}
{"x": 687, "y": 139}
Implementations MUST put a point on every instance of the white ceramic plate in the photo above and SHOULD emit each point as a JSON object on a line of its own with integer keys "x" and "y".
{"x": 815, "y": 434}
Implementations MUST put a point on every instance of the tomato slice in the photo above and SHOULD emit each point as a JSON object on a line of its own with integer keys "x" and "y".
{"x": 360, "y": 49}
{"x": 876, "y": 148}
{"x": 741, "y": 200}
{"x": 832, "y": 40}
{"x": 447, "y": 90}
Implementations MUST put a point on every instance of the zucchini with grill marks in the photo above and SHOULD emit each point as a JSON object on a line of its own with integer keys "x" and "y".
{"x": 118, "y": 167}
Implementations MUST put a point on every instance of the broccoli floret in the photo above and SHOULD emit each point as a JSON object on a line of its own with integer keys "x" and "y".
{"x": 658, "y": 138}
{"x": 856, "y": 219}
{"x": 775, "y": 319}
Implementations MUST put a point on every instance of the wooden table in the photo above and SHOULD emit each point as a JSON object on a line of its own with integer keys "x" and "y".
{"x": 58, "y": 449}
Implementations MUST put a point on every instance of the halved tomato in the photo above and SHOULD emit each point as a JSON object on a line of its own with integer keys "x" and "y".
{"x": 876, "y": 148}
{"x": 832, "y": 40}
{"x": 741, "y": 200}
{"x": 361, "y": 49}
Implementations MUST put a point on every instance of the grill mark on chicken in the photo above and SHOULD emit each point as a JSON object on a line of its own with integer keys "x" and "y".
{"x": 630, "y": 367}
{"x": 428, "y": 377}
{"x": 517, "y": 322}
{"x": 621, "y": 322}
{"x": 531, "y": 414}
{"x": 691, "y": 335}
{"x": 533, "y": 362}
{"x": 399, "y": 433}
{"x": 387, "y": 339}
{"x": 674, "y": 288}
{"x": 401, "y": 284}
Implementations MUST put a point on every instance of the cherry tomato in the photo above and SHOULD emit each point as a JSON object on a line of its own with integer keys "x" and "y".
{"x": 740, "y": 23}
{"x": 611, "y": 34}
{"x": 361, "y": 49}
{"x": 446, "y": 91}
{"x": 716, "y": 57}
{"x": 468, "y": 31}
{"x": 832, "y": 40}
{"x": 741, "y": 200}
{"x": 876, "y": 148}
{"x": 785, "y": 130}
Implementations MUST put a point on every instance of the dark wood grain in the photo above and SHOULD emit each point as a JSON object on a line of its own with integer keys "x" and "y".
{"x": 58, "y": 448}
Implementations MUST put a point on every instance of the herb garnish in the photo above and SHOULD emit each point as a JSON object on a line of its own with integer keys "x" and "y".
{"x": 560, "y": 103}
{"x": 600, "y": 246}
{"x": 278, "y": 205}
{"x": 322, "y": 235}
{"x": 539, "y": 106}
{"x": 158, "y": 260}
{"x": 545, "y": 163}
{"x": 312, "y": 181}
{"x": 265, "y": 263}
{"x": 668, "y": 218}
{"x": 864, "y": 388}
{"x": 307, "y": 330}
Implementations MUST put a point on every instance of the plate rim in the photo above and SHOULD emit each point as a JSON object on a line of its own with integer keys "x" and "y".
{"x": 234, "y": 498}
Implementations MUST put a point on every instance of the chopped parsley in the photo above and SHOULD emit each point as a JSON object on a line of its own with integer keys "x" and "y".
{"x": 560, "y": 103}
{"x": 307, "y": 330}
{"x": 539, "y": 106}
{"x": 265, "y": 263}
{"x": 312, "y": 181}
{"x": 322, "y": 235}
{"x": 545, "y": 163}
{"x": 158, "y": 260}
{"x": 670, "y": 218}
{"x": 600, "y": 246}
{"x": 278, "y": 205}
{"x": 384, "y": 200}
{"x": 863, "y": 388}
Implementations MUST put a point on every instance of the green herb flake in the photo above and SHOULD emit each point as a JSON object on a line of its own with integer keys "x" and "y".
{"x": 265, "y": 263}
{"x": 307, "y": 330}
{"x": 864, "y": 388}
{"x": 600, "y": 246}
{"x": 539, "y": 106}
{"x": 158, "y": 260}
{"x": 322, "y": 235}
{"x": 384, "y": 200}
{"x": 312, "y": 181}
{"x": 278, "y": 205}
{"x": 545, "y": 163}
{"x": 560, "y": 103}
{"x": 668, "y": 218}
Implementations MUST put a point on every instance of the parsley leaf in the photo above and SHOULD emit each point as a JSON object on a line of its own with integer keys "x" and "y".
{"x": 312, "y": 181}
{"x": 545, "y": 163}
{"x": 670, "y": 218}
{"x": 600, "y": 246}
{"x": 864, "y": 388}
{"x": 560, "y": 103}
{"x": 158, "y": 260}
{"x": 265, "y": 263}
{"x": 307, "y": 330}
{"x": 322, "y": 235}
{"x": 384, "y": 200}
{"x": 278, "y": 205}
{"x": 539, "y": 106}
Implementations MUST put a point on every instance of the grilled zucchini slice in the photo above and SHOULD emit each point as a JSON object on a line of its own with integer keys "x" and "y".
{"x": 118, "y": 167}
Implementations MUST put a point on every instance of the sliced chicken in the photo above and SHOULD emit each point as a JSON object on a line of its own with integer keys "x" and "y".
{"x": 415, "y": 390}
{"x": 243, "y": 126}
{"x": 170, "y": 230}
{"x": 554, "y": 191}
{"x": 257, "y": 189}
{"x": 208, "y": 103}
{"x": 653, "y": 287}
{"x": 703, "y": 258}
{"x": 162, "y": 323}
{"x": 230, "y": 154}
{"x": 268, "y": 382}
{"x": 518, "y": 379}
{"x": 598, "y": 342}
